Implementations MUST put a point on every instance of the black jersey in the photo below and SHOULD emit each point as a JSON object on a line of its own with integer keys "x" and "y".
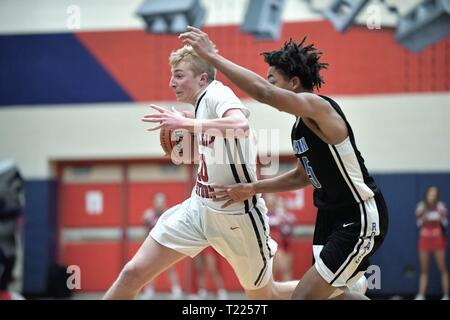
{"x": 337, "y": 172}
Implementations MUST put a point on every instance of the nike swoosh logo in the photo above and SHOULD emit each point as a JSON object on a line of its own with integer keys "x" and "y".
{"x": 233, "y": 228}
{"x": 347, "y": 224}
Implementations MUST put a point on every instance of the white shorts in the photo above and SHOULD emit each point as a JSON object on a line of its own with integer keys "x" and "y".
{"x": 243, "y": 239}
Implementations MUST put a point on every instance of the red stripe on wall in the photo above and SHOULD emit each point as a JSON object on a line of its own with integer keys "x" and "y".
{"x": 362, "y": 61}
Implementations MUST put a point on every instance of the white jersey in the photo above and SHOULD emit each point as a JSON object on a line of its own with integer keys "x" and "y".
{"x": 223, "y": 159}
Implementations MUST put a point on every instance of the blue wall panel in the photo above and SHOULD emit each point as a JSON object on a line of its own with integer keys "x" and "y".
{"x": 40, "y": 231}
{"x": 52, "y": 68}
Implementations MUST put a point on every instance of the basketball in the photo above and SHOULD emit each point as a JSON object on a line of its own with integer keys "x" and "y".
{"x": 178, "y": 144}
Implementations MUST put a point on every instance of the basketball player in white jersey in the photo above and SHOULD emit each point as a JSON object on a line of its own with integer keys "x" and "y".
{"x": 227, "y": 154}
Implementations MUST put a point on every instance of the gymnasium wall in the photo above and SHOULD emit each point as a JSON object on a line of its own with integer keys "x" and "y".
{"x": 68, "y": 79}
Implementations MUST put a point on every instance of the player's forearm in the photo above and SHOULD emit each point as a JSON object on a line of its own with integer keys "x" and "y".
{"x": 226, "y": 126}
{"x": 288, "y": 181}
{"x": 250, "y": 82}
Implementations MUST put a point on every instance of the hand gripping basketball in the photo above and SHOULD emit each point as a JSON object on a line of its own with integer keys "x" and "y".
{"x": 177, "y": 144}
{"x": 171, "y": 139}
{"x": 165, "y": 141}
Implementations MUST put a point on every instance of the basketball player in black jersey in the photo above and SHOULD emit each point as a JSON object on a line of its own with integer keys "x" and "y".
{"x": 352, "y": 216}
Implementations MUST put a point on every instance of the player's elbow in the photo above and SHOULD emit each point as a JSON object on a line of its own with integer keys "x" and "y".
{"x": 242, "y": 128}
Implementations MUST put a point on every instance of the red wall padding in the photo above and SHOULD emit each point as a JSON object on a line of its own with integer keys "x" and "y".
{"x": 140, "y": 197}
{"x": 99, "y": 263}
{"x": 362, "y": 61}
{"x": 301, "y": 249}
{"x": 73, "y": 205}
{"x": 305, "y": 214}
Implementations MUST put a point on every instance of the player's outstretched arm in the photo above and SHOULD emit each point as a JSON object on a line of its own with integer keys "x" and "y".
{"x": 299, "y": 104}
{"x": 291, "y": 180}
{"x": 233, "y": 123}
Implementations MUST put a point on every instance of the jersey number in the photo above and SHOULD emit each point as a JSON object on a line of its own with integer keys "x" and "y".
{"x": 203, "y": 171}
{"x": 310, "y": 173}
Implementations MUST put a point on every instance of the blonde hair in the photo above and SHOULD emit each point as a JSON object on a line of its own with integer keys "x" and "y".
{"x": 198, "y": 65}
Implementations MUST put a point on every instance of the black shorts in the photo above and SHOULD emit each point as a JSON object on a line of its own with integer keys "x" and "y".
{"x": 345, "y": 239}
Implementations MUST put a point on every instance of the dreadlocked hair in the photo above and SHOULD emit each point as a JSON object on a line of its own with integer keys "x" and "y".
{"x": 298, "y": 60}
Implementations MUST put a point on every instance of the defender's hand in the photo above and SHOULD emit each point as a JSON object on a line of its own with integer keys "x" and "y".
{"x": 232, "y": 193}
{"x": 199, "y": 41}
